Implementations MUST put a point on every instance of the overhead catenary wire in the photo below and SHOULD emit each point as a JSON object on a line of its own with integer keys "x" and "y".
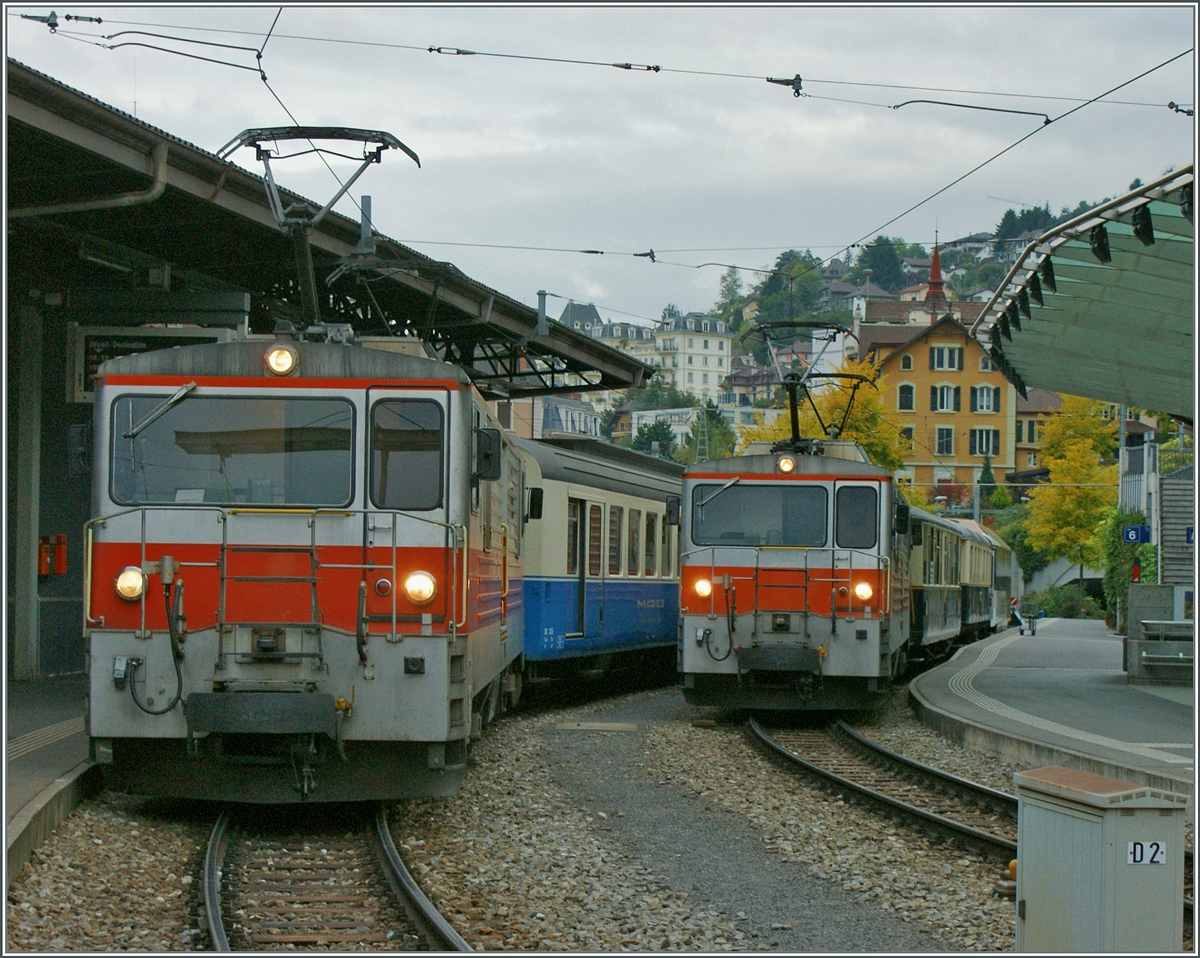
{"x": 654, "y": 68}
{"x": 456, "y": 51}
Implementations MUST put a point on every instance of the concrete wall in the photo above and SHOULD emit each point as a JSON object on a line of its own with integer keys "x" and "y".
{"x": 1148, "y": 602}
{"x": 1061, "y": 572}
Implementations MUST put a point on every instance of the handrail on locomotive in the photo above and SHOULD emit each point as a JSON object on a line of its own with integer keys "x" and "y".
{"x": 457, "y": 534}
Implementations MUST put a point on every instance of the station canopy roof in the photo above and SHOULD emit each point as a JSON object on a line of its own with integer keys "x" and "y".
{"x": 1103, "y": 306}
{"x": 69, "y": 156}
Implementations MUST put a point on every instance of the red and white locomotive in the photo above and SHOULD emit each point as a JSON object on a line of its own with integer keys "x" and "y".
{"x": 303, "y": 573}
{"x": 794, "y": 579}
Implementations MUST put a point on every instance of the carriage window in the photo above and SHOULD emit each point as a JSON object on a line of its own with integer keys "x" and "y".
{"x": 595, "y": 527}
{"x": 230, "y": 450}
{"x": 857, "y": 517}
{"x": 635, "y": 541}
{"x": 760, "y": 514}
{"x": 573, "y": 507}
{"x": 666, "y": 549}
{"x": 614, "y": 539}
{"x": 651, "y": 543}
{"x": 406, "y": 454}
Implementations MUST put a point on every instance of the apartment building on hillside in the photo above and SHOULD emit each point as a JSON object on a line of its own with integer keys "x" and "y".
{"x": 694, "y": 352}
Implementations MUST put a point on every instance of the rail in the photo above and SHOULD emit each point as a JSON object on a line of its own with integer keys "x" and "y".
{"x": 435, "y": 932}
{"x": 888, "y": 796}
{"x": 965, "y": 793}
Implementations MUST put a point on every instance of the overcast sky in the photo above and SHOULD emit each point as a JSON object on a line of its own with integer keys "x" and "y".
{"x": 700, "y": 168}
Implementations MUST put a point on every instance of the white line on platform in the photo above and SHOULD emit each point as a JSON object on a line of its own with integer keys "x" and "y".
{"x": 961, "y": 685}
{"x": 31, "y": 742}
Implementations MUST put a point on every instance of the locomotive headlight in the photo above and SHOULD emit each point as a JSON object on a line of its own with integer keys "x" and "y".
{"x": 864, "y": 591}
{"x": 130, "y": 583}
{"x": 420, "y": 587}
{"x": 282, "y": 359}
{"x": 786, "y": 464}
{"x": 703, "y": 588}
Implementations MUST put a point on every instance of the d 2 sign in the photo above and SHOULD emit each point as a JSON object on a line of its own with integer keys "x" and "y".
{"x": 1146, "y": 853}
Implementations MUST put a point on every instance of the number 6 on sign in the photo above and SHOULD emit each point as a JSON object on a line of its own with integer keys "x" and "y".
{"x": 1146, "y": 853}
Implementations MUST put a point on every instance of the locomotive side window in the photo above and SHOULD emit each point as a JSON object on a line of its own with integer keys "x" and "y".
{"x": 857, "y": 517}
{"x": 666, "y": 549}
{"x": 573, "y": 509}
{"x": 228, "y": 450}
{"x": 615, "y": 514}
{"x": 760, "y": 514}
{"x": 635, "y": 541}
{"x": 651, "y": 542}
{"x": 406, "y": 454}
{"x": 595, "y": 527}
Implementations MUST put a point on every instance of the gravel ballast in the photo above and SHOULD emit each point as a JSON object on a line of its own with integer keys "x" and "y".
{"x": 635, "y": 824}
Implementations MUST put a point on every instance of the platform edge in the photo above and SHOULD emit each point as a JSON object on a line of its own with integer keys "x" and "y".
{"x": 33, "y": 824}
{"x": 1027, "y": 753}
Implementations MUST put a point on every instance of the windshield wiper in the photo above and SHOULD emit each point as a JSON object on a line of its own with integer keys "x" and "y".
{"x": 707, "y": 500}
{"x": 160, "y": 409}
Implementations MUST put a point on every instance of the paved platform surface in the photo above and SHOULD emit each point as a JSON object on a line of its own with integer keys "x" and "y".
{"x": 44, "y": 731}
{"x": 1060, "y": 697}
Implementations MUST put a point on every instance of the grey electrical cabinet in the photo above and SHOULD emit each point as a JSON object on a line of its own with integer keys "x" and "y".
{"x": 1099, "y": 864}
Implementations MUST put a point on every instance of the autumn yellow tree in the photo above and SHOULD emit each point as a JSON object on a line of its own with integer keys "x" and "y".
{"x": 1065, "y": 517}
{"x": 1079, "y": 420}
{"x": 867, "y": 424}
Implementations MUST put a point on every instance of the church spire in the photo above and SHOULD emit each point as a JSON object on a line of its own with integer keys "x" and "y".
{"x": 936, "y": 297}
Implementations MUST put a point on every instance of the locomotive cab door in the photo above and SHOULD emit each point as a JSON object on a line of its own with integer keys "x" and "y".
{"x": 407, "y": 508}
{"x": 575, "y": 595}
{"x": 593, "y": 581}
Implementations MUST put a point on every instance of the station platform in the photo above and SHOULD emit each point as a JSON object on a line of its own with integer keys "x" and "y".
{"x": 1060, "y": 697}
{"x": 47, "y": 771}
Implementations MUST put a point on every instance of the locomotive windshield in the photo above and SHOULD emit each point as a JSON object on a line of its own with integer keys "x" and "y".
{"x": 230, "y": 450}
{"x": 761, "y": 514}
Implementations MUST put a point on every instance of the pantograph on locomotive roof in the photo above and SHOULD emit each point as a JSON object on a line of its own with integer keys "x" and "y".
{"x": 504, "y": 357}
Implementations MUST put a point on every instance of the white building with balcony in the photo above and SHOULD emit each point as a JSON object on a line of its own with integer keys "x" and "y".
{"x": 694, "y": 352}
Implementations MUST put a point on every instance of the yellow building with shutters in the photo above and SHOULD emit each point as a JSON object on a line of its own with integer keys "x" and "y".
{"x": 951, "y": 406}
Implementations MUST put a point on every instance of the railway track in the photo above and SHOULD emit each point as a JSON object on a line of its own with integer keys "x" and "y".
{"x": 969, "y": 811}
{"x": 342, "y": 887}
{"x": 974, "y": 813}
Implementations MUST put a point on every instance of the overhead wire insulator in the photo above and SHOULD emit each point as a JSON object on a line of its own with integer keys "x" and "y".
{"x": 795, "y": 83}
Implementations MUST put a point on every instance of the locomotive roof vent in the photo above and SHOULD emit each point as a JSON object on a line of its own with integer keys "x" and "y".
{"x": 316, "y": 333}
{"x": 330, "y": 333}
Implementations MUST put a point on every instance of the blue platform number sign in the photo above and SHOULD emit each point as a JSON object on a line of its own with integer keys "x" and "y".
{"x": 1190, "y": 534}
{"x": 1135, "y": 534}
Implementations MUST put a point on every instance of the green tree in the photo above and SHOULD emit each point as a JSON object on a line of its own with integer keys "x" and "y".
{"x": 1119, "y": 558}
{"x": 989, "y": 276}
{"x": 722, "y": 438}
{"x": 1030, "y": 560}
{"x": 660, "y": 394}
{"x": 658, "y": 431}
{"x": 791, "y": 289}
{"x": 729, "y": 301}
{"x": 670, "y": 311}
{"x": 879, "y": 256}
{"x": 1007, "y": 228}
{"x": 987, "y": 480}
{"x": 1001, "y": 499}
